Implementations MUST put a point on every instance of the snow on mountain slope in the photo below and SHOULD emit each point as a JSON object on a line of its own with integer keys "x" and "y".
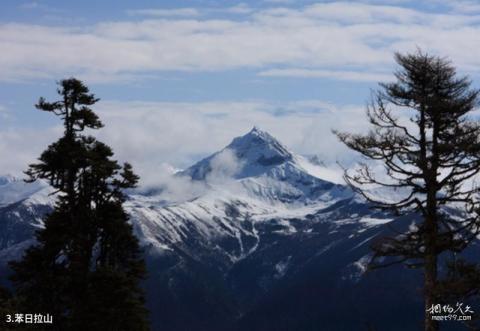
{"x": 257, "y": 150}
{"x": 244, "y": 219}
{"x": 23, "y": 206}
{"x": 257, "y": 153}
{"x": 267, "y": 170}
{"x": 253, "y": 179}
{"x": 211, "y": 219}
{"x": 13, "y": 189}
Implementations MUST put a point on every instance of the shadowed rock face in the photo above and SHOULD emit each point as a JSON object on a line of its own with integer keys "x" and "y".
{"x": 271, "y": 161}
{"x": 284, "y": 249}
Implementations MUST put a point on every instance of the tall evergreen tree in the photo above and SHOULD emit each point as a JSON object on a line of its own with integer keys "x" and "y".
{"x": 86, "y": 266}
{"x": 431, "y": 156}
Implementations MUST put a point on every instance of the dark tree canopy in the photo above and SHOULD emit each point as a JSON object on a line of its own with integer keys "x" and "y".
{"x": 86, "y": 266}
{"x": 430, "y": 149}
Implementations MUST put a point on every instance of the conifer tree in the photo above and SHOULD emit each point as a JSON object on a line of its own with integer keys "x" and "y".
{"x": 7, "y": 310}
{"x": 430, "y": 149}
{"x": 86, "y": 265}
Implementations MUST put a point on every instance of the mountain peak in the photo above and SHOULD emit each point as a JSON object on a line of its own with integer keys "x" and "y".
{"x": 257, "y": 151}
{"x": 259, "y": 147}
{"x": 256, "y": 131}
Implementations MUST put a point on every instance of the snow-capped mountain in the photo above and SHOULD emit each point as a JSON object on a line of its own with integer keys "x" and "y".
{"x": 13, "y": 189}
{"x": 22, "y": 206}
{"x": 251, "y": 181}
{"x": 264, "y": 240}
{"x": 267, "y": 170}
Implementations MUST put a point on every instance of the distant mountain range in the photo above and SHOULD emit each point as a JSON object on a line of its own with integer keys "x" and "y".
{"x": 253, "y": 237}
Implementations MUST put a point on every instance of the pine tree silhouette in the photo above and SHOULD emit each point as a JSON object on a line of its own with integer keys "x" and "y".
{"x": 430, "y": 155}
{"x": 86, "y": 265}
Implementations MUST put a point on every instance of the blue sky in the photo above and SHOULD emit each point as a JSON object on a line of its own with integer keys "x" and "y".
{"x": 184, "y": 77}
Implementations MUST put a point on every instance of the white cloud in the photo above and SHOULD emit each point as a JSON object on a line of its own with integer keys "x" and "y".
{"x": 30, "y": 5}
{"x": 152, "y": 134}
{"x": 331, "y": 74}
{"x": 240, "y": 8}
{"x": 224, "y": 166}
{"x": 348, "y": 36}
{"x": 20, "y": 147}
{"x": 178, "y": 12}
{"x": 175, "y": 188}
{"x": 172, "y": 188}
{"x": 279, "y": 1}
{"x": 5, "y": 115}
{"x": 38, "y": 6}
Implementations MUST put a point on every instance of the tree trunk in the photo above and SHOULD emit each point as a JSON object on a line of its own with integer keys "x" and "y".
{"x": 431, "y": 229}
{"x": 430, "y": 280}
